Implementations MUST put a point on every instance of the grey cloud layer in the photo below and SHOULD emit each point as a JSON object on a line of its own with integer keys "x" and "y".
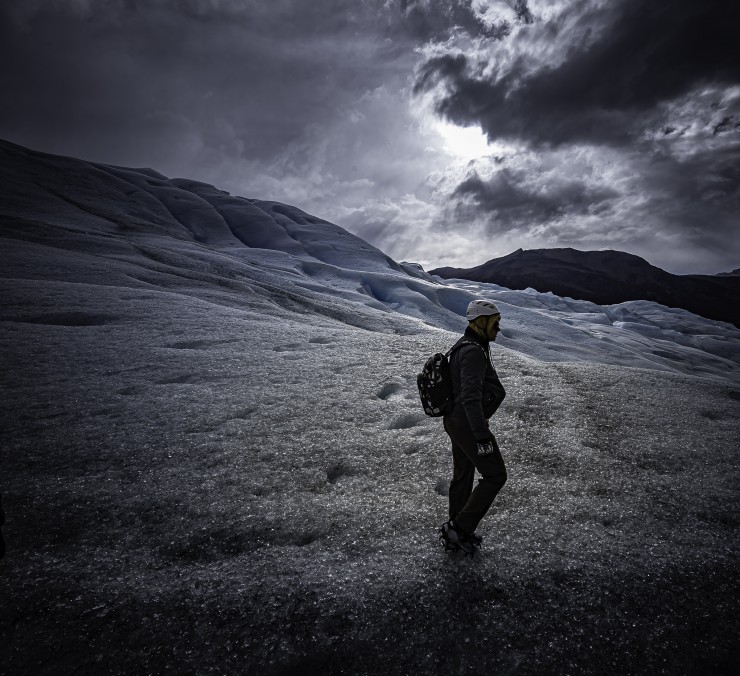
{"x": 432, "y": 20}
{"x": 126, "y": 79}
{"x": 137, "y": 78}
{"x": 313, "y": 103}
{"x": 302, "y": 102}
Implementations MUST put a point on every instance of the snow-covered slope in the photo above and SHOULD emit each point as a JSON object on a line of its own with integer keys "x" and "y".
{"x": 65, "y": 220}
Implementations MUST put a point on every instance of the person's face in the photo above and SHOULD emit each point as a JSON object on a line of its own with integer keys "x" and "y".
{"x": 492, "y": 326}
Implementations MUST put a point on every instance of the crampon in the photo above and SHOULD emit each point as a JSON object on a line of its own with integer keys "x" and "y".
{"x": 455, "y": 540}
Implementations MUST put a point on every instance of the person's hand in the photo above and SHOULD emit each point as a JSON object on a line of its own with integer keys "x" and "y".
{"x": 486, "y": 448}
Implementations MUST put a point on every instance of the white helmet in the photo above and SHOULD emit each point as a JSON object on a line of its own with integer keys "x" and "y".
{"x": 481, "y": 308}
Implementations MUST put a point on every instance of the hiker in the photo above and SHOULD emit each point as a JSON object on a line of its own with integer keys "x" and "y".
{"x": 477, "y": 393}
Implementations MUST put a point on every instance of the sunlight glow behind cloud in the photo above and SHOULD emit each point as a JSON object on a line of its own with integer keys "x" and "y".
{"x": 467, "y": 143}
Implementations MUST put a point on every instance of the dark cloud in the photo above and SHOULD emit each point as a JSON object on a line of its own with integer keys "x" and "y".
{"x": 159, "y": 82}
{"x": 522, "y": 11}
{"x": 449, "y": 67}
{"x": 642, "y": 55}
{"x": 506, "y": 203}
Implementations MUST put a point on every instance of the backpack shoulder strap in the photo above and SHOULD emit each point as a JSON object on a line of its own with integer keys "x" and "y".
{"x": 462, "y": 343}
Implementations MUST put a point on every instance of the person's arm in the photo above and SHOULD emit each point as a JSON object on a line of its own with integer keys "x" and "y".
{"x": 472, "y": 375}
{"x": 497, "y": 393}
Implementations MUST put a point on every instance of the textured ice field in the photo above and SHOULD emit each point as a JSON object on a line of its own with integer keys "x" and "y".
{"x": 214, "y": 460}
{"x": 199, "y": 487}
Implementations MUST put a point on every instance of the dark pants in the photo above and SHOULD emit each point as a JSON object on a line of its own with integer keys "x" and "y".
{"x": 2, "y": 521}
{"x": 468, "y": 506}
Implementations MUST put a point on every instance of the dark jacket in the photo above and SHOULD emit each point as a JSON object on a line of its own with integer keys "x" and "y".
{"x": 476, "y": 388}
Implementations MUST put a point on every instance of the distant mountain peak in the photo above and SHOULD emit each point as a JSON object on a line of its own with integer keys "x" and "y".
{"x": 607, "y": 277}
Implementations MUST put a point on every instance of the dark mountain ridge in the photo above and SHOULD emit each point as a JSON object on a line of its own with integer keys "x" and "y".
{"x": 606, "y": 278}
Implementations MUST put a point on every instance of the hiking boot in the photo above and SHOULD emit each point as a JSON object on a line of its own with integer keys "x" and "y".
{"x": 477, "y": 540}
{"x": 456, "y": 538}
{"x": 444, "y": 539}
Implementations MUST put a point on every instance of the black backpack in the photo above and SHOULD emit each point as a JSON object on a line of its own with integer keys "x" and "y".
{"x": 435, "y": 383}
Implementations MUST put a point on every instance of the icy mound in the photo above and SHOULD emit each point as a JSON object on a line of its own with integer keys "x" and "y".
{"x": 640, "y": 334}
{"x": 181, "y": 223}
{"x": 106, "y": 199}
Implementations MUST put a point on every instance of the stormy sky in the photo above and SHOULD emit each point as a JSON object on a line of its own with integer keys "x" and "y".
{"x": 445, "y": 133}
